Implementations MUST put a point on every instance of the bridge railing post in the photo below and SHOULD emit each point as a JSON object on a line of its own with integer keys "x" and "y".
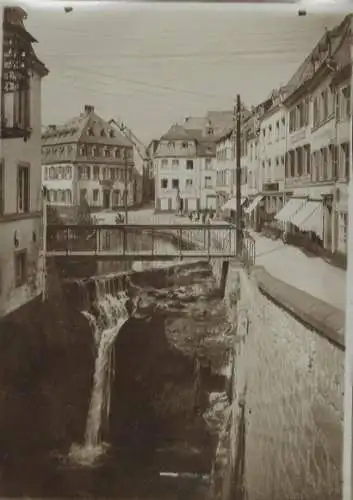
{"x": 208, "y": 241}
{"x": 180, "y": 238}
{"x": 67, "y": 239}
{"x": 124, "y": 241}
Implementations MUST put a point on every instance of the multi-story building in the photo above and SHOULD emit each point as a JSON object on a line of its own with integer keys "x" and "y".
{"x": 185, "y": 163}
{"x": 272, "y": 144}
{"x": 317, "y": 162}
{"x": 20, "y": 166}
{"x": 88, "y": 158}
{"x": 177, "y": 171}
{"x": 253, "y": 172}
{"x": 139, "y": 159}
{"x": 226, "y": 165}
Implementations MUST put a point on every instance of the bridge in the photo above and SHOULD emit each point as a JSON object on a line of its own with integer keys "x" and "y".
{"x": 146, "y": 242}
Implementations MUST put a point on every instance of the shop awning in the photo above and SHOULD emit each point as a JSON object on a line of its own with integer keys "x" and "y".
{"x": 232, "y": 204}
{"x": 253, "y": 205}
{"x": 310, "y": 218}
{"x": 290, "y": 209}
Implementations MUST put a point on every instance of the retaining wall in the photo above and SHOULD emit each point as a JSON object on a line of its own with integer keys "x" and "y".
{"x": 287, "y": 395}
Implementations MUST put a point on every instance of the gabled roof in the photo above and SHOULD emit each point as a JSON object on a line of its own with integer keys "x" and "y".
{"x": 87, "y": 128}
{"x": 177, "y": 133}
{"x": 339, "y": 54}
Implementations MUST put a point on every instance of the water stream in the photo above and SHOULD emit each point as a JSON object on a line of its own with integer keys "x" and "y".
{"x": 112, "y": 315}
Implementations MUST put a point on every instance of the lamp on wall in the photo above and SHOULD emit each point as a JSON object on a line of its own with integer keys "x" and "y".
{"x": 16, "y": 240}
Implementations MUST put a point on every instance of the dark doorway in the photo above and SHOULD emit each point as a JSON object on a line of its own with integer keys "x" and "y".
{"x": 106, "y": 198}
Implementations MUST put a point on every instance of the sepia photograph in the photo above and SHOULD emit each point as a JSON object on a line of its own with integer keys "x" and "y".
{"x": 174, "y": 234}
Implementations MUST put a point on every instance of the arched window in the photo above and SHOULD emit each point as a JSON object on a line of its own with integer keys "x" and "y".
{"x": 51, "y": 173}
{"x": 68, "y": 172}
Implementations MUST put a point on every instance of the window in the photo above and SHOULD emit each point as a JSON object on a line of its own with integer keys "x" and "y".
{"x": 90, "y": 131}
{"x": 346, "y": 94}
{"x": 103, "y": 134}
{"x": 277, "y": 129}
{"x": 184, "y": 145}
{"x": 338, "y": 104}
{"x": 111, "y": 133}
{"x": 208, "y": 182}
{"x": 164, "y": 183}
{"x": 175, "y": 183}
{"x": 83, "y": 193}
{"x": 20, "y": 267}
{"x": 175, "y": 163}
{"x": 84, "y": 173}
{"x": 189, "y": 165}
{"x": 96, "y": 173}
{"x": 2, "y": 187}
{"x": 344, "y": 164}
{"x": 324, "y": 163}
{"x": 171, "y": 145}
{"x": 292, "y": 121}
{"x": 68, "y": 197}
{"x": 316, "y": 112}
{"x": 116, "y": 198}
{"x": 208, "y": 163}
{"x": 95, "y": 195}
{"x": 345, "y": 227}
{"x": 164, "y": 163}
{"x": 324, "y": 103}
{"x": 188, "y": 183}
{"x": 23, "y": 194}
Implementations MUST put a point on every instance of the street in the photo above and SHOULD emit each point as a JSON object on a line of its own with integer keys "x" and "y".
{"x": 284, "y": 262}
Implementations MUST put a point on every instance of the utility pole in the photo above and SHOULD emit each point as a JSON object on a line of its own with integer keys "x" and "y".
{"x": 45, "y": 235}
{"x": 126, "y": 185}
{"x": 239, "y": 229}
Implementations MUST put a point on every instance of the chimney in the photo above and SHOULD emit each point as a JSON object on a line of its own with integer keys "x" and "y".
{"x": 89, "y": 109}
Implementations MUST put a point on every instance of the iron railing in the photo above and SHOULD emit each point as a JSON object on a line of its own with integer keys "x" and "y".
{"x": 148, "y": 241}
{"x": 141, "y": 240}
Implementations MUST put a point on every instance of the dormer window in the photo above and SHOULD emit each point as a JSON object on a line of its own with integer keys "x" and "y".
{"x": 171, "y": 145}
{"x": 185, "y": 145}
{"x": 102, "y": 133}
{"x": 117, "y": 153}
{"x": 107, "y": 153}
{"x": 210, "y": 131}
{"x": 111, "y": 133}
{"x": 90, "y": 131}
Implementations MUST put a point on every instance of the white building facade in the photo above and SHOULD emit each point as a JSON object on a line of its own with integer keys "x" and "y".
{"x": 88, "y": 159}
{"x": 21, "y": 266}
{"x": 178, "y": 172}
{"x": 317, "y": 158}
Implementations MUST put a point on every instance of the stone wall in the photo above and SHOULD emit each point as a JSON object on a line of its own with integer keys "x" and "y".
{"x": 289, "y": 380}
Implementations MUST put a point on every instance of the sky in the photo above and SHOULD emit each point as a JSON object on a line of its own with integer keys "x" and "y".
{"x": 152, "y": 65}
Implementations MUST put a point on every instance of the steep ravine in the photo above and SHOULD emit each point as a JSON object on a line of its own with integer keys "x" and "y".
{"x": 168, "y": 360}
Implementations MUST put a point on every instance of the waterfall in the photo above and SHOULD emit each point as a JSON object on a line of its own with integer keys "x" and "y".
{"x": 112, "y": 315}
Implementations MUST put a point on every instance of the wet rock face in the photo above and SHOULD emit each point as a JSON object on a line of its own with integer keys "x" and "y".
{"x": 166, "y": 363}
{"x": 46, "y": 365}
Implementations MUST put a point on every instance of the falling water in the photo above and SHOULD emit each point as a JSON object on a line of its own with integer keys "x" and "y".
{"x": 112, "y": 315}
